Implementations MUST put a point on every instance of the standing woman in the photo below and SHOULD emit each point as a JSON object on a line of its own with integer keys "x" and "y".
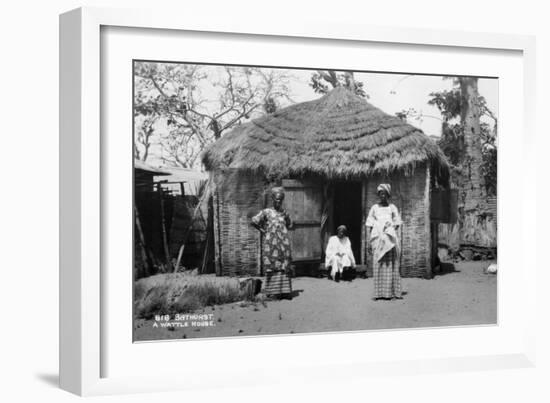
{"x": 383, "y": 224}
{"x": 274, "y": 224}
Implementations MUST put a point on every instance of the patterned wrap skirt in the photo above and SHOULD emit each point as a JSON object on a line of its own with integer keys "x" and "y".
{"x": 278, "y": 283}
{"x": 387, "y": 281}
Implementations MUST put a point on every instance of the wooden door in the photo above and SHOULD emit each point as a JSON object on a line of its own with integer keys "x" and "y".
{"x": 304, "y": 203}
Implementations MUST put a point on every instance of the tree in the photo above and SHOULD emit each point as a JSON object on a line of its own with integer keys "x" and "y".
{"x": 323, "y": 81}
{"x": 469, "y": 143}
{"x": 185, "y": 107}
{"x": 144, "y": 134}
{"x": 473, "y": 187}
{"x": 470, "y": 146}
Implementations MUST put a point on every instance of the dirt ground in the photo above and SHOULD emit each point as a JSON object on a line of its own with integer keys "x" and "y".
{"x": 462, "y": 296}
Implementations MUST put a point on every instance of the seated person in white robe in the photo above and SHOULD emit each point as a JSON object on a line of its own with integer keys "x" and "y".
{"x": 339, "y": 254}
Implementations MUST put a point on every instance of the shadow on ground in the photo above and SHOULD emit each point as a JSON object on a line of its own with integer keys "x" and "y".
{"x": 49, "y": 379}
{"x": 446, "y": 268}
{"x": 296, "y": 293}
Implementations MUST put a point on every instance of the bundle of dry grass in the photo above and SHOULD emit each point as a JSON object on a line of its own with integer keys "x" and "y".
{"x": 339, "y": 135}
{"x": 183, "y": 293}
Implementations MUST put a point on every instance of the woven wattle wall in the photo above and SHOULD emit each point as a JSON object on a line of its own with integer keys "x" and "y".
{"x": 239, "y": 196}
{"x": 408, "y": 194}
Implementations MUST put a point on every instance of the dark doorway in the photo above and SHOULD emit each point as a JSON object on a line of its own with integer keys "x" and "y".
{"x": 347, "y": 211}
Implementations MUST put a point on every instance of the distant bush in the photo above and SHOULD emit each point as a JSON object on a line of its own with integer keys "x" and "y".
{"x": 183, "y": 293}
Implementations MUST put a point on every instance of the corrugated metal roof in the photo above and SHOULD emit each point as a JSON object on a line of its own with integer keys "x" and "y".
{"x": 183, "y": 175}
{"x": 138, "y": 164}
{"x": 190, "y": 178}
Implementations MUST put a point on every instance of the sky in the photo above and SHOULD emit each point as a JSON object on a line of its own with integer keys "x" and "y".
{"x": 388, "y": 91}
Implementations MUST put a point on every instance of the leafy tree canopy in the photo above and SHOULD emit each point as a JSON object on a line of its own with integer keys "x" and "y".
{"x": 323, "y": 81}
{"x": 181, "y": 108}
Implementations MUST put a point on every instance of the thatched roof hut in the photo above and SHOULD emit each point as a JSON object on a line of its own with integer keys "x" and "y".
{"x": 330, "y": 154}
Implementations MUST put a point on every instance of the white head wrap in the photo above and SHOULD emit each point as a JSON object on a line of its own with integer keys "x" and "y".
{"x": 385, "y": 187}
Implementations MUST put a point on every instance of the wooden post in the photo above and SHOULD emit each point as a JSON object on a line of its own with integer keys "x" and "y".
{"x": 259, "y": 253}
{"x": 144, "y": 253}
{"x": 164, "y": 234}
{"x": 180, "y": 255}
{"x": 209, "y": 236}
{"x": 330, "y": 226}
{"x": 435, "y": 241}
{"x": 327, "y": 217}
{"x": 217, "y": 251}
{"x": 364, "y": 213}
{"x": 206, "y": 253}
{"x": 427, "y": 226}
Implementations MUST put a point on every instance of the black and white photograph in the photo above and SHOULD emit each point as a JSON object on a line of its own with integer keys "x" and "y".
{"x": 275, "y": 201}
{"x": 296, "y": 201}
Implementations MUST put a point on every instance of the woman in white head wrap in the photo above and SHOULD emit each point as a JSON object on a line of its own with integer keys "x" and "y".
{"x": 383, "y": 224}
{"x": 338, "y": 255}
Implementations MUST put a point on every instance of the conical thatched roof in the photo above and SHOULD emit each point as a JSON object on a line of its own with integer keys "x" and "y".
{"x": 339, "y": 135}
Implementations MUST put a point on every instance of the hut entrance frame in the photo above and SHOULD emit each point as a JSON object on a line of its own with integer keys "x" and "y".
{"x": 347, "y": 210}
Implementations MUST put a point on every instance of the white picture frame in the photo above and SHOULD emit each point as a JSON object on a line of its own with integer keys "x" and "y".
{"x": 83, "y": 305}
